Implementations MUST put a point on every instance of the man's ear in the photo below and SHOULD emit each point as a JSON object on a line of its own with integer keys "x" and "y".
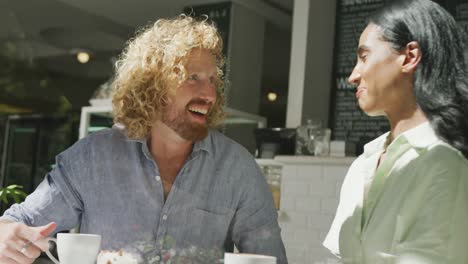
{"x": 412, "y": 53}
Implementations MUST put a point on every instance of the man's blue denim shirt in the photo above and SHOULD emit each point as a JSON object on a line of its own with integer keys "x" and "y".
{"x": 110, "y": 185}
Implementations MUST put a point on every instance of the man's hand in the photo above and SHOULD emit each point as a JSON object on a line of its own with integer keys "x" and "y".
{"x": 21, "y": 244}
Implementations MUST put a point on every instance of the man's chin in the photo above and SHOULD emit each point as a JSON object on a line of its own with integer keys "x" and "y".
{"x": 194, "y": 133}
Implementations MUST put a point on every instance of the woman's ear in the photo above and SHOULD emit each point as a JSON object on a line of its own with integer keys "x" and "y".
{"x": 412, "y": 53}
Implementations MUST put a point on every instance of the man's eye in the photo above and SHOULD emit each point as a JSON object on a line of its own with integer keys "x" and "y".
{"x": 214, "y": 80}
{"x": 193, "y": 77}
{"x": 363, "y": 57}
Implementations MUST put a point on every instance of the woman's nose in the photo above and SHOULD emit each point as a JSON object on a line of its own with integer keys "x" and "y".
{"x": 355, "y": 77}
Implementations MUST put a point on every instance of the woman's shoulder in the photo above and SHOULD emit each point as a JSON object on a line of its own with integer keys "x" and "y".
{"x": 441, "y": 151}
{"x": 442, "y": 158}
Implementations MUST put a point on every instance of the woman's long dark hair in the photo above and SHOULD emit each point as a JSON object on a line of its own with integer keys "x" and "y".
{"x": 441, "y": 78}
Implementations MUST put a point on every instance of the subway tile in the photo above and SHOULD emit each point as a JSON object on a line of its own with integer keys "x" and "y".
{"x": 321, "y": 255}
{"x": 287, "y": 203}
{"x": 310, "y": 171}
{"x": 320, "y": 221}
{"x": 287, "y": 235}
{"x": 288, "y": 172}
{"x": 329, "y": 205}
{"x": 323, "y": 189}
{"x": 335, "y": 173}
{"x": 310, "y": 237}
{"x": 323, "y": 233}
{"x": 307, "y": 179}
{"x": 295, "y": 189}
{"x": 296, "y": 255}
{"x": 338, "y": 190}
{"x": 298, "y": 220}
{"x": 306, "y": 234}
{"x": 307, "y": 205}
{"x": 309, "y": 197}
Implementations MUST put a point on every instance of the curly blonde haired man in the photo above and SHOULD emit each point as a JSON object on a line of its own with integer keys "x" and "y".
{"x": 154, "y": 65}
{"x": 161, "y": 183}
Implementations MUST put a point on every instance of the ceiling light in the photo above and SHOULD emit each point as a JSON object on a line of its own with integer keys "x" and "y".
{"x": 82, "y": 56}
{"x": 272, "y": 96}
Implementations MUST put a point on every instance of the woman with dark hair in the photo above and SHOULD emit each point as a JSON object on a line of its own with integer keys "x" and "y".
{"x": 405, "y": 199}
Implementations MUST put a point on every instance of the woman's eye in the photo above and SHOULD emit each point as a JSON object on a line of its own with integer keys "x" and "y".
{"x": 363, "y": 57}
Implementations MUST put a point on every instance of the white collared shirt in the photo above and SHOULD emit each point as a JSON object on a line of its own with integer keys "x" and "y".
{"x": 421, "y": 214}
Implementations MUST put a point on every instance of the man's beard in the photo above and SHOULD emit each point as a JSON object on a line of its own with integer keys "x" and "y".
{"x": 180, "y": 122}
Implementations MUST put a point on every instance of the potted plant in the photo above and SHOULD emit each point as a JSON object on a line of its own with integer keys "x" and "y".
{"x": 12, "y": 193}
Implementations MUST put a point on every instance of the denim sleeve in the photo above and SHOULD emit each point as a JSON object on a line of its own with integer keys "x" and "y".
{"x": 255, "y": 226}
{"x": 53, "y": 200}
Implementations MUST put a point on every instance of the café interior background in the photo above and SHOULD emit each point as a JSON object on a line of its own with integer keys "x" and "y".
{"x": 288, "y": 61}
{"x": 43, "y": 85}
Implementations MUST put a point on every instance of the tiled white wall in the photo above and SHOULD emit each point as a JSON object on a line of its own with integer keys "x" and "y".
{"x": 309, "y": 197}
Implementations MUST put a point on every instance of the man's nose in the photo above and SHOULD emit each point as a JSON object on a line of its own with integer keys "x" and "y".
{"x": 208, "y": 91}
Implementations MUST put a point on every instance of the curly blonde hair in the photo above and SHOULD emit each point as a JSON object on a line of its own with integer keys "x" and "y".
{"x": 150, "y": 66}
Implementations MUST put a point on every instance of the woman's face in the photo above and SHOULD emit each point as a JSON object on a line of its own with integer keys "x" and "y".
{"x": 378, "y": 74}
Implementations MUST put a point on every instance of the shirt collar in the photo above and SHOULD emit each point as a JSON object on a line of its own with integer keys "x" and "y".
{"x": 375, "y": 145}
{"x": 204, "y": 144}
{"x": 123, "y": 130}
{"x": 421, "y": 136}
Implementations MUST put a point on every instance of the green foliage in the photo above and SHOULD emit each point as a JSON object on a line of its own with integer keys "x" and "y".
{"x": 12, "y": 192}
{"x": 25, "y": 84}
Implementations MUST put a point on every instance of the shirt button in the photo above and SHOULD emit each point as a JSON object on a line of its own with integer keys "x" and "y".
{"x": 165, "y": 217}
{"x": 157, "y": 178}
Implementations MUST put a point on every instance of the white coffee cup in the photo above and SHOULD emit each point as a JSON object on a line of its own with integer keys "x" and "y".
{"x": 76, "y": 248}
{"x": 243, "y": 258}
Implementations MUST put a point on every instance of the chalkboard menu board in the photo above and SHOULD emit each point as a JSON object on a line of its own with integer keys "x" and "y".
{"x": 461, "y": 14}
{"x": 348, "y": 122}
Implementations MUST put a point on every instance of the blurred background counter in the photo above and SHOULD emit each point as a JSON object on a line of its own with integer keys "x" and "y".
{"x": 309, "y": 194}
